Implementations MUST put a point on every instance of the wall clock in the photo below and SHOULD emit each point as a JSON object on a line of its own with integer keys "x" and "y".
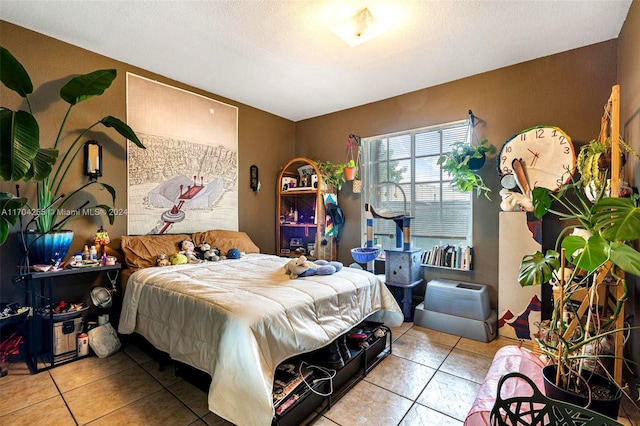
{"x": 545, "y": 155}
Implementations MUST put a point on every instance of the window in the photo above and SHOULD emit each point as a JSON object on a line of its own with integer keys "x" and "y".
{"x": 441, "y": 214}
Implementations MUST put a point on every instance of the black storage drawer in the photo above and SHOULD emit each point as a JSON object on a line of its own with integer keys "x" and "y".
{"x": 350, "y": 371}
{"x": 302, "y": 409}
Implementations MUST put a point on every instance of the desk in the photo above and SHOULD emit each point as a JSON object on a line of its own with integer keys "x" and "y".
{"x": 39, "y": 293}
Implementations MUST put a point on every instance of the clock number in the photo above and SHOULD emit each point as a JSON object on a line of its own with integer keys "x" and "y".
{"x": 535, "y": 184}
{"x": 553, "y": 133}
{"x": 504, "y": 159}
{"x": 539, "y": 133}
{"x": 562, "y": 140}
{"x": 567, "y": 150}
{"x": 506, "y": 170}
{"x": 559, "y": 182}
{"x": 523, "y": 137}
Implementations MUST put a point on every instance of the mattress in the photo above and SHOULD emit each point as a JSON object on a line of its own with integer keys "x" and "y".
{"x": 238, "y": 319}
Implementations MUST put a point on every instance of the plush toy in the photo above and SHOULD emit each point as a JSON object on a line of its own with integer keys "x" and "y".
{"x": 162, "y": 260}
{"x": 301, "y": 267}
{"x": 515, "y": 201}
{"x": 178, "y": 259}
{"x": 297, "y": 266}
{"x": 205, "y": 252}
{"x": 187, "y": 248}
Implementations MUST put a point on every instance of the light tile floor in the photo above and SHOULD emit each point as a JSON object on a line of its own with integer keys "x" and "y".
{"x": 430, "y": 379}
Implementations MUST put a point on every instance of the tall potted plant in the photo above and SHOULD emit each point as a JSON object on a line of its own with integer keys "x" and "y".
{"x": 597, "y": 247}
{"x": 23, "y": 158}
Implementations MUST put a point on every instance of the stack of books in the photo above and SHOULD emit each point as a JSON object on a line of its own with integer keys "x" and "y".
{"x": 449, "y": 256}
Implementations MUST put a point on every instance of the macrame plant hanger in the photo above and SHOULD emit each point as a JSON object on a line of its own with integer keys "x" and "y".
{"x": 355, "y": 140}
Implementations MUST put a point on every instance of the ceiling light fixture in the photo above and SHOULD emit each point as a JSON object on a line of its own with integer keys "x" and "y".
{"x": 359, "y": 28}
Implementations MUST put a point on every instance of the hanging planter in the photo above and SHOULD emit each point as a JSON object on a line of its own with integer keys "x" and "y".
{"x": 476, "y": 163}
{"x": 350, "y": 169}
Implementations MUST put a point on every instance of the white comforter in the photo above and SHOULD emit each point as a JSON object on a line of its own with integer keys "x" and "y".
{"x": 238, "y": 319}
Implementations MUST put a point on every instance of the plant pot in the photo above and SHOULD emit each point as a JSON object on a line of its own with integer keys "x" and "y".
{"x": 349, "y": 173}
{"x": 608, "y": 407}
{"x": 48, "y": 248}
{"x": 592, "y": 193}
{"x": 477, "y": 163}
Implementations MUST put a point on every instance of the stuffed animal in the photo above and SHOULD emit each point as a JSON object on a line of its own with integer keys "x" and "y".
{"x": 515, "y": 201}
{"x": 162, "y": 260}
{"x": 301, "y": 267}
{"x": 178, "y": 259}
{"x": 187, "y": 247}
{"x": 205, "y": 252}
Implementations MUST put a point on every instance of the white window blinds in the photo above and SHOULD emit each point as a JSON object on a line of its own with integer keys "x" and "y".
{"x": 441, "y": 214}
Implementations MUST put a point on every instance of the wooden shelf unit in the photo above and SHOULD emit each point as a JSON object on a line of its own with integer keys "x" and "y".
{"x": 307, "y": 230}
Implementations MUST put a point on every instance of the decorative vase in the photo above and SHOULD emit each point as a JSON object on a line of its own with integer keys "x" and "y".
{"x": 349, "y": 173}
{"x": 607, "y": 407}
{"x": 477, "y": 163}
{"x": 48, "y": 248}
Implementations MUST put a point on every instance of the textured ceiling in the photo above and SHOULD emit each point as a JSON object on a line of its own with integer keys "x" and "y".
{"x": 281, "y": 56}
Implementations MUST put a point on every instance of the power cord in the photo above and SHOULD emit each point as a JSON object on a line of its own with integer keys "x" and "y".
{"x": 330, "y": 374}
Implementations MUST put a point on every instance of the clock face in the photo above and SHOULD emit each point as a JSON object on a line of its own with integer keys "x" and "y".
{"x": 546, "y": 154}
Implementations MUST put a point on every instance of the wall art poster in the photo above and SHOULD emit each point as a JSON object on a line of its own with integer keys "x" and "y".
{"x": 186, "y": 180}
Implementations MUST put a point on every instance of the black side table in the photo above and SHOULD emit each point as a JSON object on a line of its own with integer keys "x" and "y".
{"x": 40, "y": 293}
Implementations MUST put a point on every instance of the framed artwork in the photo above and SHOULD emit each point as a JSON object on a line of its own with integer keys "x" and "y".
{"x": 186, "y": 180}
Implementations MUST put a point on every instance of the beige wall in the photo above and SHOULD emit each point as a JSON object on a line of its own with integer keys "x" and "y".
{"x": 567, "y": 90}
{"x": 263, "y": 139}
{"x": 629, "y": 79}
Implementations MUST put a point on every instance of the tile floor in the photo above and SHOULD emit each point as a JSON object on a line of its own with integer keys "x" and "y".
{"x": 430, "y": 379}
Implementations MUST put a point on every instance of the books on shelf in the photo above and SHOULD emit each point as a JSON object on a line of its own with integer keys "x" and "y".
{"x": 449, "y": 256}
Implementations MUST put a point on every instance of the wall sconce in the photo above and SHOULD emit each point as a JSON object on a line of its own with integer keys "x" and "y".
{"x": 93, "y": 159}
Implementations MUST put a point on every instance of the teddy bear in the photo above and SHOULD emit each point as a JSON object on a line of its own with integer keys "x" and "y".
{"x": 187, "y": 248}
{"x": 162, "y": 260}
{"x": 205, "y": 252}
{"x": 301, "y": 267}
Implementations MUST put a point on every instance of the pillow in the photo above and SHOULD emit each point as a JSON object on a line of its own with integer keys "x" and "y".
{"x": 224, "y": 240}
{"x": 141, "y": 251}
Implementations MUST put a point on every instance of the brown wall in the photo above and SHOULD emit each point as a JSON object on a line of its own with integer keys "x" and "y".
{"x": 567, "y": 90}
{"x": 629, "y": 79}
{"x": 263, "y": 139}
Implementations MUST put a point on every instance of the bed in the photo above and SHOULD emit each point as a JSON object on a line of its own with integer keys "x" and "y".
{"x": 238, "y": 319}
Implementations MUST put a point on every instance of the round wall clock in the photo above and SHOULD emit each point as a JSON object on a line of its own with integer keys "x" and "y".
{"x": 545, "y": 153}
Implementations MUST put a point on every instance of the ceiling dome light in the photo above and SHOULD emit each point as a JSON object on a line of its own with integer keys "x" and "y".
{"x": 359, "y": 28}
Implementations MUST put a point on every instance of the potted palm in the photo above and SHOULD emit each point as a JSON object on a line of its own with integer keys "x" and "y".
{"x": 596, "y": 247}
{"x": 23, "y": 158}
{"x": 462, "y": 164}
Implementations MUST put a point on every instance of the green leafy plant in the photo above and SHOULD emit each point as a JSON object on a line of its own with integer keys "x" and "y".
{"x": 597, "y": 252}
{"x": 22, "y": 157}
{"x": 594, "y": 161}
{"x": 457, "y": 165}
{"x": 332, "y": 173}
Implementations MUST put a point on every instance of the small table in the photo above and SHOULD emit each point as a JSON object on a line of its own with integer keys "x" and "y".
{"x": 41, "y": 327}
{"x": 407, "y": 309}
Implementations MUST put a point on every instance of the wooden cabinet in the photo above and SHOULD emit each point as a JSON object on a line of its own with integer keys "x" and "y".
{"x": 301, "y": 215}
